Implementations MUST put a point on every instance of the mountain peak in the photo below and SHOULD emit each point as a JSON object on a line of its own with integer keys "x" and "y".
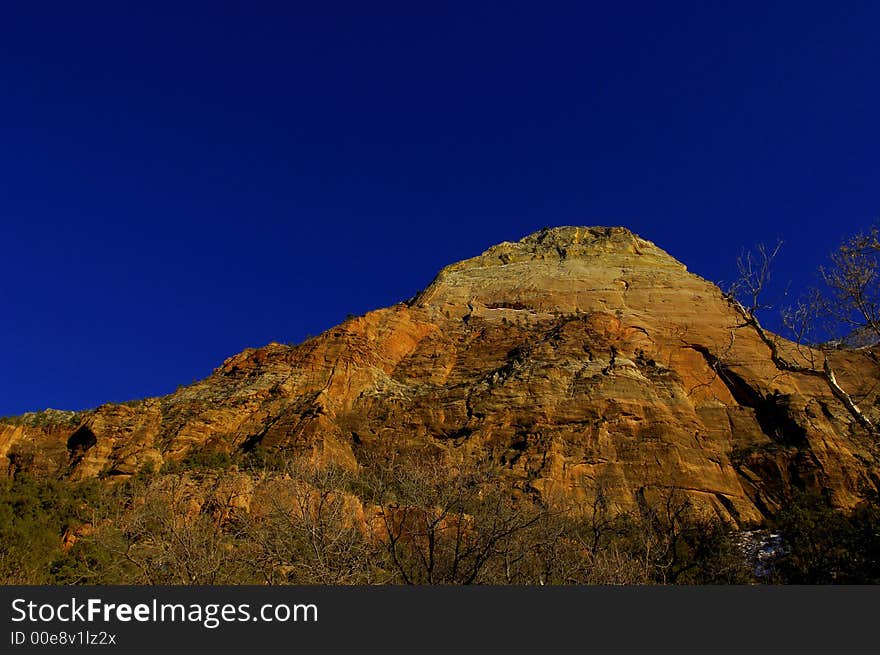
{"x": 556, "y": 270}
{"x": 573, "y": 240}
{"x": 577, "y": 234}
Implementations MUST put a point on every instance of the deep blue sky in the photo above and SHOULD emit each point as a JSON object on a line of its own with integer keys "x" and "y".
{"x": 181, "y": 182}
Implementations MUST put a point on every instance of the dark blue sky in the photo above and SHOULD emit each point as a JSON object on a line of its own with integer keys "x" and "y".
{"x": 180, "y": 182}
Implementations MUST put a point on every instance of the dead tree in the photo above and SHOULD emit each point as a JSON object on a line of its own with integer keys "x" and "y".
{"x": 851, "y": 279}
{"x": 755, "y": 271}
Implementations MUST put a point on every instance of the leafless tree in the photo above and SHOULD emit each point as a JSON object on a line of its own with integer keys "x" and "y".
{"x": 852, "y": 282}
{"x": 805, "y": 321}
{"x": 307, "y": 531}
{"x": 440, "y": 525}
{"x": 165, "y": 535}
{"x": 745, "y": 298}
{"x": 755, "y": 269}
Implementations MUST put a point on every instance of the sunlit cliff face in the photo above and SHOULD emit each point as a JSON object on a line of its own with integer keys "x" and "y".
{"x": 576, "y": 358}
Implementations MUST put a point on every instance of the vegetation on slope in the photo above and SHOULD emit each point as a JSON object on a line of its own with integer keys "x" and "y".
{"x": 410, "y": 521}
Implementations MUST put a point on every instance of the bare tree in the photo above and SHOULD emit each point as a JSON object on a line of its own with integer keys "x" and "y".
{"x": 806, "y": 321}
{"x": 307, "y": 531}
{"x": 756, "y": 269}
{"x": 166, "y": 534}
{"x": 852, "y": 282}
{"x": 440, "y": 525}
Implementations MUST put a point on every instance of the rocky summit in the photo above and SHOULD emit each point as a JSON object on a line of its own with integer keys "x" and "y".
{"x": 576, "y": 359}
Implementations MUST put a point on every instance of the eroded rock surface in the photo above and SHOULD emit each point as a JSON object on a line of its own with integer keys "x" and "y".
{"x": 575, "y": 358}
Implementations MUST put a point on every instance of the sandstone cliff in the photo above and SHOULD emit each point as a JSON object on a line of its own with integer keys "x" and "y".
{"x": 572, "y": 359}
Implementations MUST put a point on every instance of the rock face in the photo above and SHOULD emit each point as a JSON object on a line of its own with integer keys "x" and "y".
{"x": 574, "y": 359}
